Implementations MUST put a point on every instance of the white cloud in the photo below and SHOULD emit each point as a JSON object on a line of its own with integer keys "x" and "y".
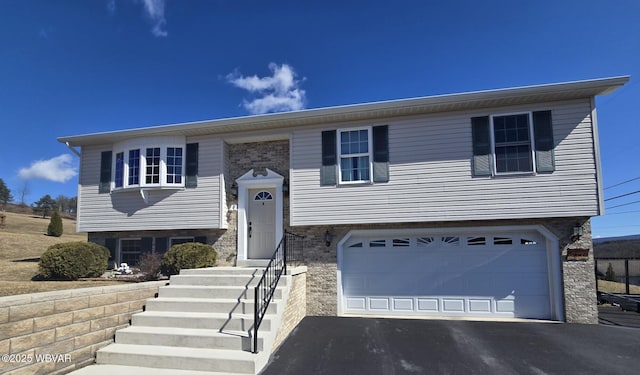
{"x": 111, "y": 6}
{"x": 278, "y": 93}
{"x": 58, "y": 169}
{"x": 155, "y": 11}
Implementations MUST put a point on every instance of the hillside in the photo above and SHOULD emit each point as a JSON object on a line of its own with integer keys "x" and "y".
{"x": 617, "y": 247}
{"x": 22, "y": 240}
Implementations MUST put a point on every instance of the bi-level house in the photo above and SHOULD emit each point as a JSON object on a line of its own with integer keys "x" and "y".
{"x": 471, "y": 204}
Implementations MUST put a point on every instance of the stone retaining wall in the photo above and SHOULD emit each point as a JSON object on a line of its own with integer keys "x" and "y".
{"x": 58, "y": 332}
{"x": 296, "y": 307}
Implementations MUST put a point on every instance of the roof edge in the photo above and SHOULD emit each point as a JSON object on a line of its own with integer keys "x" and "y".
{"x": 600, "y": 86}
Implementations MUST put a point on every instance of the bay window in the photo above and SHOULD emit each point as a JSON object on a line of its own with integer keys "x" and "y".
{"x": 119, "y": 169}
{"x": 155, "y": 162}
{"x": 152, "y": 160}
{"x": 134, "y": 167}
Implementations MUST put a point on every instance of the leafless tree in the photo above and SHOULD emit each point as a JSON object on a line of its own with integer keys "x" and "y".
{"x": 24, "y": 191}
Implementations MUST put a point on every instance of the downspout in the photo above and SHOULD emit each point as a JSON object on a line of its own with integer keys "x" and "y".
{"x": 79, "y": 155}
{"x": 596, "y": 155}
{"x": 76, "y": 152}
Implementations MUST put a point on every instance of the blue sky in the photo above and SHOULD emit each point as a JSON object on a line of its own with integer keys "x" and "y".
{"x": 76, "y": 67}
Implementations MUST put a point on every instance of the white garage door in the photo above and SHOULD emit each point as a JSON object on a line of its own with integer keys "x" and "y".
{"x": 479, "y": 274}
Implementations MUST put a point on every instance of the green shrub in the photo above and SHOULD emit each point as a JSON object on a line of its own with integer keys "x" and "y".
{"x": 73, "y": 260}
{"x": 55, "y": 225}
{"x": 187, "y": 255}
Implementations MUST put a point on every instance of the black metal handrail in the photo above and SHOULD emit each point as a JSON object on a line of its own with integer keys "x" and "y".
{"x": 266, "y": 287}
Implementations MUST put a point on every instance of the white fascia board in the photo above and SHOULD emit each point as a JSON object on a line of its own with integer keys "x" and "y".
{"x": 585, "y": 88}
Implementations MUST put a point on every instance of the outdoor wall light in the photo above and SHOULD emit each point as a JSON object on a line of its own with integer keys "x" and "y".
{"x": 578, "y": 231}
{"x": 327, "y": 238}
{"x": 234, "y": 190}
{"x": 285, "y": 187}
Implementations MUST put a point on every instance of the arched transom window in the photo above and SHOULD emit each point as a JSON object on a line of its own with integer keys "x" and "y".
{"x": 263, "y": 196}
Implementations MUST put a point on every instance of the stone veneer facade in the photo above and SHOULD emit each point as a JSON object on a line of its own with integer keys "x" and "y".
{"x": 321, "y": 287}
{"x": 578, "y": 282}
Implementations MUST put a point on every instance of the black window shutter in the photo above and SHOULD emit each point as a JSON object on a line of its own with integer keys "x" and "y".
{"x": 543, "y": 135}
{"x": 110, "y": 243}
{"x": 328, "y": 172}
{"x": 200, "y": 239}
{"x": 146, "y": 244}
{"x": 381, "y": 153}
{"x": 161, "y": 245}
{"x": 480, "y": 133}
{"x": 191, "y": 175}
{"x": 105, "y": 172}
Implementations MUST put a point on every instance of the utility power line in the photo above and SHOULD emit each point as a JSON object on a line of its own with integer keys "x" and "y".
{"x": 621, "y": 205}
{"x": 623, "y": 212}
{"x": 622, "y": 195}
{"x": 623, "y": 182}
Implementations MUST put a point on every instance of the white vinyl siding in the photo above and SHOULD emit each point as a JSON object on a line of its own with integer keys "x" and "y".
{"x": 196, "y": 208}
{"x": 431, "y": 175}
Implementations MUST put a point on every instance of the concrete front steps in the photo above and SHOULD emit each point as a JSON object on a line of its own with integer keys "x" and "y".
{"x": 202, "y": 323}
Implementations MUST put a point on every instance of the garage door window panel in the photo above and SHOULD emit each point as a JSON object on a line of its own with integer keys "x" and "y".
{"x": 476, "y": 241}
{"x": 441, "y": 241}
{"x": 378, "y": 243}
{"x": 401, "y": 242}
{"x": 502, "y": 241}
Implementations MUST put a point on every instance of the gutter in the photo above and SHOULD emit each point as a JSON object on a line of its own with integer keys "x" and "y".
{"x": 363, "y": 111}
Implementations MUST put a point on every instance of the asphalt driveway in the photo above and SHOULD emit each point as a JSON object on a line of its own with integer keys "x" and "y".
{"x": 332, "y": 345}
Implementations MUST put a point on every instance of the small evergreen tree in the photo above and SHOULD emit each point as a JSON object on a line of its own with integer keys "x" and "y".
{"x": 610, "y": 275}
{"x": 45, "y": 205}
{"x": 55, "y": 225}
{"x": 5, "y": 194}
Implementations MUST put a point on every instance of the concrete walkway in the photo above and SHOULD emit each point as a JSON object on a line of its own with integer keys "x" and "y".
{"x": 331, "y": 345}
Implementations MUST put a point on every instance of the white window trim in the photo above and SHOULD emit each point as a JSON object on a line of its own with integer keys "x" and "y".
{"x": 369, "y": 154}
{"x": 142, "y": 145}
{"x": 164, "y": 168}
{"x": 126, "y": 168}
{"x": 532, "y": 144}
{"x": 114, "y": 168}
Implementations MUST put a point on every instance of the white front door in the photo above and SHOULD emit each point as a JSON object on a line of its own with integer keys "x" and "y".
{"x": 262, "y": 223}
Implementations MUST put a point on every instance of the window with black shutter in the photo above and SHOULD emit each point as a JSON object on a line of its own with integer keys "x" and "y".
{"x": 512, "y": 144}
{"x": 353, "y": 156}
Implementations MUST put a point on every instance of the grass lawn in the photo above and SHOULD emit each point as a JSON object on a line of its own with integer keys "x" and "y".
{"x": 614, "y": 287}
{"x": 22, "y": 240}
